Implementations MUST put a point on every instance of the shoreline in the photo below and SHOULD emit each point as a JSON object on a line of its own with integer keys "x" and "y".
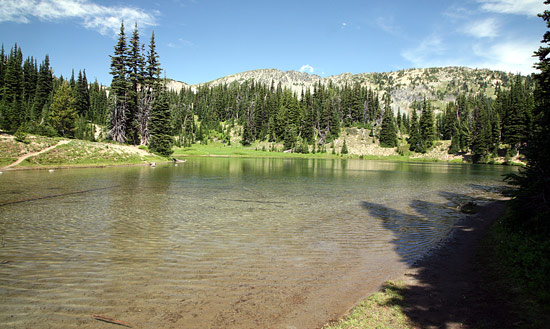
{"x": 443, "y": 288}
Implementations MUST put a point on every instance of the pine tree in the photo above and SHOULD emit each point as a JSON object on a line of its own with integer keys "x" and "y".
{"x": 153, "y": 70}
{"x": 135, "y": 64}
{"x": 119, "y": 89}
{"x": 481, "y": 137}
{"x": 161, "y": 140}
{"x": 11, "y": 109}
{"x": 533, "y": 198}
{"x": 388, "y": 133}
{"x": 44, "y": 87}
{"x": 415, "y": 140}
{"x": 344, "y": 148}
{"x": 82, "y": 95}
{"x": 63, "y": 111}
{"x": 426, "y": 126}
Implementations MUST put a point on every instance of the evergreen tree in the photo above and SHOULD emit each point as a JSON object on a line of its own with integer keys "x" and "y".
{"x": 119, "y": 89}
{"x": 82, "y": 95}
{"x": 11, "y": 108}
{"x": 153, "y": 70}
{"x": 135, "y": 64}
{"x": 481, "y": 137}
{"x": 415, "y": 141}
{"x": 388, "y": 133}
{"x": 160, "y": 141}
{"x": 533, "y": 198}
{"x": 426, "y": 126}
{"x": 344, "y": 148}
{"x": 44, "y": 87}
{"x": 63, "y": 111}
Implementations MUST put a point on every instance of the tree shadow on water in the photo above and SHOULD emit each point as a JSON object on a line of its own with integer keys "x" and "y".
{"x": 446, "y": 288}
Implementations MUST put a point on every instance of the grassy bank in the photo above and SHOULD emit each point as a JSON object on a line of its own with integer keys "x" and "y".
{"x": 76, "y": 153}
{"x": 382, "y": 310}
{"x": 518, "y": 264}
{"x": 259, "y": 151}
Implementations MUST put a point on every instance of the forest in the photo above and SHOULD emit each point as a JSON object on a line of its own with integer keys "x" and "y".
{"x": 137, "y": 109}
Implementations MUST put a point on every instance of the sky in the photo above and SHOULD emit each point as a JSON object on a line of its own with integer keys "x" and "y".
{"x": 202, "y": 40}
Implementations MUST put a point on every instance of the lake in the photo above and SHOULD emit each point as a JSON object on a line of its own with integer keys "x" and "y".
{"x": 220, "y": 242}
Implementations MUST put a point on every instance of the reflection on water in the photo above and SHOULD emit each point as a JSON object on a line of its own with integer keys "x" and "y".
{"x": 218, "y": 242}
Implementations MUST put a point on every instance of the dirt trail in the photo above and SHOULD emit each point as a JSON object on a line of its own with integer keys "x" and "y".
{"x": 28, "y": 155}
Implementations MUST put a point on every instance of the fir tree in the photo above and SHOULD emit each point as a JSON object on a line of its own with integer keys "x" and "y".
{"x": 11, "y": 107}
{"x": 388, "y": 133}
{"x": 153, "y": 70}
{"x": 63, "y": 111}
{"x": 135, "y": 64}
{"x": 344, "y": 148}
{"x": 119, "y": 88}
{"x": 415, "y": 140}
{"x": 82, "y": 95}
{"x": 161, "y": 140}
{"x": 481, "y": 139}
{"x": 426, "y": 126}
{"x": 44, "y": 87}
{"x": 533, "y": 198}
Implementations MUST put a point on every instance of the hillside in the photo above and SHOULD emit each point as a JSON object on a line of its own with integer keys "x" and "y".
{"x": 441, "y": 84}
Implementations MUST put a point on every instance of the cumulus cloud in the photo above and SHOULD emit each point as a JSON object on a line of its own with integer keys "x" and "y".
{"x": 428, "y": 49}
{"x": 104, "y": 19}
{"x": 518, "y": 7}
{"x": 485, "y": 28}
{"x": 307, "y": 68}
{"x": 510, "y": 56}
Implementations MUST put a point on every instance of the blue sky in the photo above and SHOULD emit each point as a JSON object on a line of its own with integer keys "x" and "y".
{"x": 200, "y": 40}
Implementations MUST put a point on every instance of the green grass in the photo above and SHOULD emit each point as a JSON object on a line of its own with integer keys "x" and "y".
{"x": 381, "y": 310}
{"x": 517, "y": 260}
{"x": 219, "y": 149}
{"x": 83, "y": 153}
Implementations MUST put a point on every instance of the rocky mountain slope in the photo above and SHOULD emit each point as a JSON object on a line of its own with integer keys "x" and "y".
{"x": 441, "y": 84}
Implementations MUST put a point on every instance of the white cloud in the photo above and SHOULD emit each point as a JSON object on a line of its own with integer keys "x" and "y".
{"x": 181, "y": 43}
{"x": 388, "y": 25}
{"x": 485, "y": 28}
{"x": 425, "y": 52}
{"x": 103, "y": 19}
{"x": 509, "y": 56}
{"x": 519, "y": 7}
{"x": 307, "y": 68}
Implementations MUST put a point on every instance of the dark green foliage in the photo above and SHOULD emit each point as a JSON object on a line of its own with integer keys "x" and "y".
{"x": 532, "y": 199}
{"x": 415, "y": 140}
{"x": 82, "y": 95}
{"x": 12, "y": 111}
{"x": 388, "y": 132}
{"x": 44, "y": 87}
{"x": 63, "y": 111}
{"x": 481, "y": 138}
{"x": 119, "y": 71}
{"x": 161, "y": 138}
{"x": 153, "y": 70}
{"x": 426, "y": 126}
{"x": 344, "y": 148}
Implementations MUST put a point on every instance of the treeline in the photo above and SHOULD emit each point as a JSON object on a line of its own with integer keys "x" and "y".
{"x": 272, "y": 113}
{"x": 32, "y": 100}
{"x": 482, "y": 125}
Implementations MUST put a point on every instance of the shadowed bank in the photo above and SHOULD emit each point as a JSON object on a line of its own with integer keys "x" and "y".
{"x": 447, "y": 288}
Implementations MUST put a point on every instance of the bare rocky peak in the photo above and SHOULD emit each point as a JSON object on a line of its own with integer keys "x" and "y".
{"x": 441, "y": 84}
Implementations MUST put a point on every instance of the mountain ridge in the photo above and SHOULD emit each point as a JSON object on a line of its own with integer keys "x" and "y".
{"x": 441, "y": 84}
